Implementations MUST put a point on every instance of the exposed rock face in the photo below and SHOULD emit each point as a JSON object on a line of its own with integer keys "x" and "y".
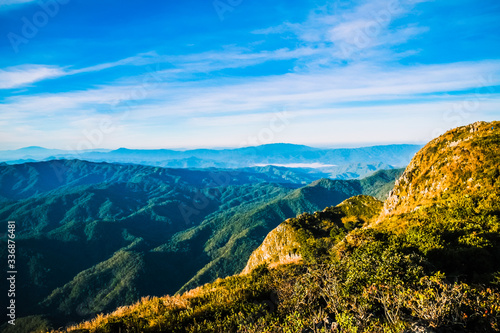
{"x": 460, "y": 161}
{"x": 279, "y": 246}
{"x": 282, "y": 245}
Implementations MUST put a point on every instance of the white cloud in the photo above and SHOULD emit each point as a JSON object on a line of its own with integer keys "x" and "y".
{"x": 139, "y": 60}
{"x": 348, "y": 31}
{"x": 18, "y": 76}
{"x": 330, "y": 87}
{"x": 353, "y": 32}
{"x": 232, "y": 58}
{"x": 24, "y": 75}
{"x": 233, "y": 101}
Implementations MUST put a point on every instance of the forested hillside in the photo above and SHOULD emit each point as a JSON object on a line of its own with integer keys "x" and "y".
{"x": 95, "y": 236}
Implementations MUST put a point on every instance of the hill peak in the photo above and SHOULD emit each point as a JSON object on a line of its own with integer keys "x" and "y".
{"x": 33, "y": 148}
{"x": 462, "y": 161}
{"x": 323, "y": 182}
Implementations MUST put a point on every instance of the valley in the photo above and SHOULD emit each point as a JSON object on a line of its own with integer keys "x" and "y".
{"x": 129, "y": 231}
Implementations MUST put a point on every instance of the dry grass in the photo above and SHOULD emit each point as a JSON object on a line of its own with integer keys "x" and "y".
{"x": 146, "y": 307}
{"x": 290, "y": 260}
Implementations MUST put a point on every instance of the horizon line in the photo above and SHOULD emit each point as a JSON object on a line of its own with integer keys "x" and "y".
{"x": 180, "y": 149}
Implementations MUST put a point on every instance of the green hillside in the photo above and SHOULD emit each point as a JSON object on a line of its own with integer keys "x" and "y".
{"x": 231, "y": 236}
{"x": 427, "y": 262}
{"x": 95, "y": 236}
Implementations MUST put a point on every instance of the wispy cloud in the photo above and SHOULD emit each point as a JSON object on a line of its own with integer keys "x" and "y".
{"x": 18, "y": 76}
{"x": 313, "y": 90}
{"x": 354, "y": 32}
{"x": 332, "y": 87}
{"x": 23, "y": 75}
{"x": 138, "y": 60}
{"x": 232, "y": 57}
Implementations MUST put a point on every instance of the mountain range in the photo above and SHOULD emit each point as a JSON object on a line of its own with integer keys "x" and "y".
{"x": 127, "y": 231}
{"x": 330, "y": 163}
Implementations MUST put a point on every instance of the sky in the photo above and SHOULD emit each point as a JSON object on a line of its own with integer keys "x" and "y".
{"x": 88, "y": 74}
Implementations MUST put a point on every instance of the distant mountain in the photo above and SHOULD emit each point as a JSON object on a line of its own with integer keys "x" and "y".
{"x": 94, "y": 236}
{"x": 333, "y": 163}
{"x": 396, "y": 155}
{"x": 33, "y": 152}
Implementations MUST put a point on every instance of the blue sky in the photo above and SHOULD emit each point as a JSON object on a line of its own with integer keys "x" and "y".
{"x": 84, "y": 74}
